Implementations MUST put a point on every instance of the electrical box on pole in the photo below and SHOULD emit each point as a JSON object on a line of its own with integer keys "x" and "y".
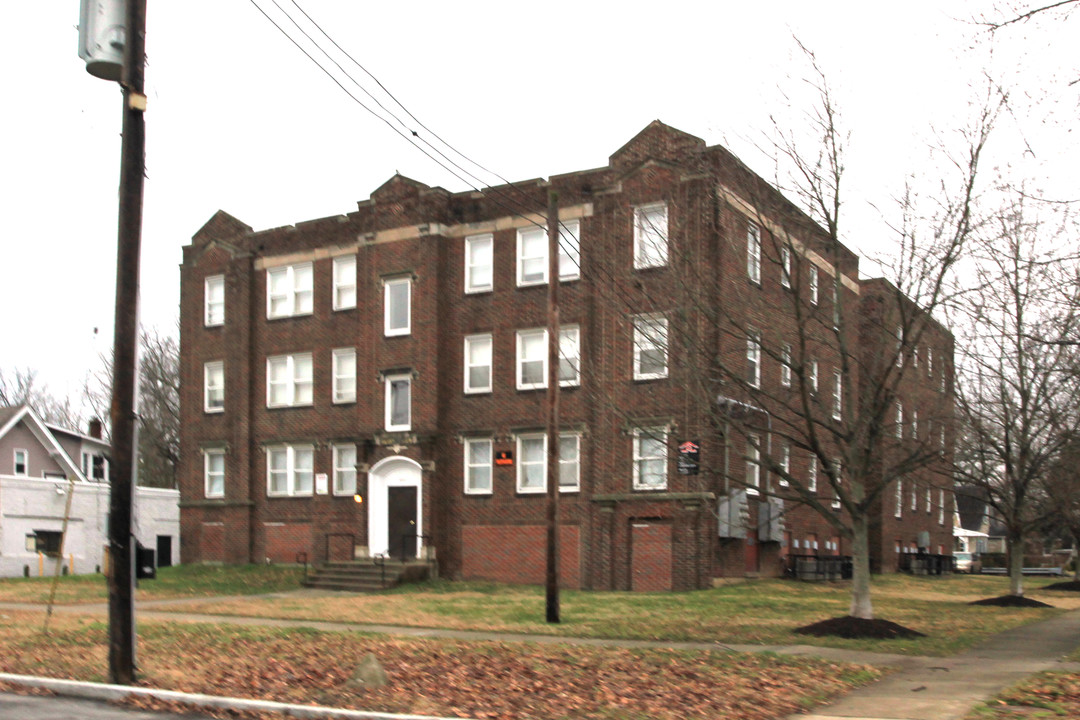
{"x": 102, "y": 35}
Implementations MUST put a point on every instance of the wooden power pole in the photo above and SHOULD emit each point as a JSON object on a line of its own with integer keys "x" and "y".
{"x": 125, "y": 348}
{"x": 552, "y": 584}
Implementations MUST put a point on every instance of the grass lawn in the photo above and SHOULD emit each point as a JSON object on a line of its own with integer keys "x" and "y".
{"x": 181, "y": 581}
{"x": 436, "y": 677}
{"x": 759, "y": 611}
{"x": 1046, "y": 695}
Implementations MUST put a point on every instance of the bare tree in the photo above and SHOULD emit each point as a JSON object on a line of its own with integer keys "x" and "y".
{"x": 159, "y": 406}
{"x": 21, "y": 387}
{"x": 1019, "y": 393}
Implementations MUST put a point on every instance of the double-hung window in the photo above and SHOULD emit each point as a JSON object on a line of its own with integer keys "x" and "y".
{"x": 569, "y": 462}
{"x": 941, "y": 506}
{"x": 532, "y": 358}
{"x": 899, "y": 420}
{"x": 650, "y": 347}
{"x": 344, "y": 282}
{"x": 899, "y": 346}
{"x": 569, "y": 355}
{"x": 785, "y": 365}
{"x": 650, "y": 458}
{"x": 838, "y": 395}
{"x": 532, "y": 463}
{"x": 344, "y": 375}
{"x": 478, "y": 464}
{"x": 813, "y": 285}
{"x": 289, "y": 290}
{"x": 288, "y": 380}
{"x": 899, "y": 511}
{"x": 345, "y": 469}
{"x": 650, "y": 236}
{"x": 214, "y": 300}
{"x": 914, "y": 424}
{"x": 929, "y": 361}
{"x": 785, "y": 266}
{"x": 812, "y": 373}
{"x": 811, "y": 474}
{"x": 397, "y": 306}
{"x": 929, "y": 500}
{"x": 398, "y": 402}
{"x": 753, "y": 463}
{"x": 570, "y": 250}
{"x": 753, "y": 253}
{"x": 214, "y": 387}
{"x": 479, "y": 260}
{"x": 214, "y": 473}
{"x": 478, "y": 363}
{"x": 532, "y": 255}
{"x": 753, "y": 359}
{"x": 290, "y": 470}
{"x": 21, "y": 462}
{"x": 785, "y": 464}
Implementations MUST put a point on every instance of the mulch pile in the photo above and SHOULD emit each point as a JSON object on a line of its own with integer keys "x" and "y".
{"x": 1011, "y": 601}
{"x": 1072, "y": 585}
{"x": 853, "y": 627}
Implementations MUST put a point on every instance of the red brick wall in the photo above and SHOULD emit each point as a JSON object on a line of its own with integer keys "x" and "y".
{"x": 285, "y": 540}
{"x": 518, "y": 554}
{"x": 212, "y": 542}
{"x": 650, "y": 567}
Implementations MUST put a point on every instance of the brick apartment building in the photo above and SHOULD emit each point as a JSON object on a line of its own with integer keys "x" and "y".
{"x": 374, "y": 382}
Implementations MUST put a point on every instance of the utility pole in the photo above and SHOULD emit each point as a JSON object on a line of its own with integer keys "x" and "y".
{"x": 552, "y": 584}
{"x": 125, "y": 349}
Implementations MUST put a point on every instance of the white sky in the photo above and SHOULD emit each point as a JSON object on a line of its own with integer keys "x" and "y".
{"x": 240, "y": 120}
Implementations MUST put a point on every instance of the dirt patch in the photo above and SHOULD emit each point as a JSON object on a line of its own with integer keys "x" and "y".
{"x": 1071, "y": 585}
{"x": 853, "y": 627}
{"x": 1011, "y": 601}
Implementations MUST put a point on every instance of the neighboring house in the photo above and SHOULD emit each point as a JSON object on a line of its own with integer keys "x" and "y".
{"x": 38, "y": 463}
{"x": 375, "y": 382}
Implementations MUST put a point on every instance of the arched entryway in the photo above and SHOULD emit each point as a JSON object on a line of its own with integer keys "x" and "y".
{"x": 395, "y": 505}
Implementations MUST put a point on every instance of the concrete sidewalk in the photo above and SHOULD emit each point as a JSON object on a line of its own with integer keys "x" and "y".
{"x": 947, "y": 688}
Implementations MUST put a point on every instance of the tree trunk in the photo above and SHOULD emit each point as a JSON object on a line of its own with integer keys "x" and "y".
{"x": 861, "y": 607}
{"x": 1016, "y": 565}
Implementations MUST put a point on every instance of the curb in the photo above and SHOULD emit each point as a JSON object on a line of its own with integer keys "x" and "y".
{"x": 112, "y": 693}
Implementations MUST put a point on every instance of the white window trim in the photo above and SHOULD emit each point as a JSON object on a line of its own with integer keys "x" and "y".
{"x": 339, "y": 286}
{"x": 941, "y": 506}
{"x": 785, "y": 365}
{"x": 753, "y": 359}
{"x": 650, "y": 328}
{"x": 521, "y": 464}
{"x": 339, "y": 356}
{"x": 753, "y": 252}
{"x": 929, "y": 499}
{"x": 838, "y": 395}
{"x": 291, "y": 382}
{"x": 812, "y": 473}
{"x": 836, "y": 488}
{"x": 658, "y": 255}
{"x": 470, "y": 286}
{"x": 813, "y": 372}
{"x": 293, "y": 291}
{"x": 899, "y": 431}
{"x": 388, "y": 284}
{"x": 470, "y": 489}
{"x": 341, "y": 488}
{"x": 208, "y": 388}
{"x": 207, "y": 454}
{"x": 531, "y": 232}
{"x": 653, "y": 433}
{"x": 899, "y": 512}
{"x": 570, "y": 339}
{"x": 569, "y": 250}
{"x": 563, "y": 462}
{"x": 290, "y": 471}
{"x": 785, "y": 464}
{"x": 388, "y": 385}
{"x": 785, "y": 266}
{"x": 753, "y": 464}
{"x": 814, "y": 281}
{"x": 15, "y": 462}
{"x": 469, "y": 340}
{"x": 520, "y": 335}
{"x": 208, "y": 319}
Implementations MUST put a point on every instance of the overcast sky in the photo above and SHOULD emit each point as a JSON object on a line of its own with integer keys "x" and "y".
{"x": 240, "y": 120}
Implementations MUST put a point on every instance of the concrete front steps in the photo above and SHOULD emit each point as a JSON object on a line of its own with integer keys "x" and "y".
{"x": 367, "y": 575}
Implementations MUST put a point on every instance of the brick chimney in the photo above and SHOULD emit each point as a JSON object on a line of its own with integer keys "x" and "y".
{"x": 94, "y": 428}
